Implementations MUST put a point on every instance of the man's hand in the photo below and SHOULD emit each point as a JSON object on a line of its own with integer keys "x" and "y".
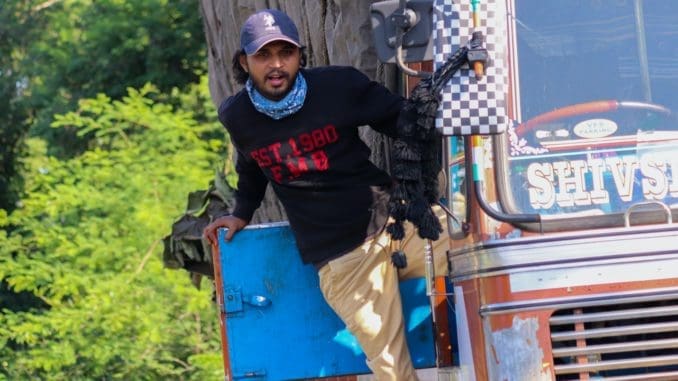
{"x": 234, "y": 224}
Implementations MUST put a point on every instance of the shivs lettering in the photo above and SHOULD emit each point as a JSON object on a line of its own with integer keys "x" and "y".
{"x": 287, "y": 160}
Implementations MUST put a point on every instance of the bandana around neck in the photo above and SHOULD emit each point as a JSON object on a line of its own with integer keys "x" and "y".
{"x": 284, "y": 107}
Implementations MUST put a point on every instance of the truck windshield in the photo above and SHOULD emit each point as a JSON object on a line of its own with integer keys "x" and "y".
{"x": 594, "y": 106}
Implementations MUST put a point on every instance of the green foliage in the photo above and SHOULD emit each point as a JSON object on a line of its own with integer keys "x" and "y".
{"x": 105, "y": 46}
{"x": 18, "y": 26}
{"x": 54, "y": 53}
{"x": 86, "y": 242}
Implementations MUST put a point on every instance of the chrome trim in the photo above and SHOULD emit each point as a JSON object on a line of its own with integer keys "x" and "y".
{"x": 663, "y": 376}
{"x": 635, "y": 329}
{"x": 609, "y": 298}
{"x": 563, "y": 250}
{"x": 616, "y": 348}
{"x": 634, "y": 313}
{"x": 624, "y": 338}
{"x": 616, "y": 364}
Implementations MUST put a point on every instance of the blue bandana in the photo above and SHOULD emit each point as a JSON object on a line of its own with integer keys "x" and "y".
{"x": 284, "y": 107}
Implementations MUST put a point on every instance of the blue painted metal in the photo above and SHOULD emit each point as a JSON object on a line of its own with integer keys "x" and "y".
{"x": 232, "y": 300}
{"x": 278, "y": 324}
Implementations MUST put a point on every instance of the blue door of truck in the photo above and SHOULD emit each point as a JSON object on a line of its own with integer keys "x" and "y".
{"x": 275, "y": 322}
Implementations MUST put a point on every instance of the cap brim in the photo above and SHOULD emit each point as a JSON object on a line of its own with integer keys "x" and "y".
{"x": 259, "y": 43}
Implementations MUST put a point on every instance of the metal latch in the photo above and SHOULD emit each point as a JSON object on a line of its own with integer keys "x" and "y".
{"x": 234, "y": 300}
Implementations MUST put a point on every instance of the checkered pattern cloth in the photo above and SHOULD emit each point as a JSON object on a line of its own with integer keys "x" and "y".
{"x": 470, "y": 106}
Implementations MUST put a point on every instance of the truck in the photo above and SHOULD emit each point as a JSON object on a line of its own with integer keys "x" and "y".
{"x": 559, "y": 156}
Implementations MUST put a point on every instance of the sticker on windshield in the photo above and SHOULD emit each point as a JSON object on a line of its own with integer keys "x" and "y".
{"x": 595, "y": 128}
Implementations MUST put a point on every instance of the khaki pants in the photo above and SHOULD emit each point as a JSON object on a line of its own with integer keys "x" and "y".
{"x": 362, "y": 288}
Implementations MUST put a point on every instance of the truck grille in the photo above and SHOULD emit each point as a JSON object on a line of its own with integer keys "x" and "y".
{"x": 633, "y": 341}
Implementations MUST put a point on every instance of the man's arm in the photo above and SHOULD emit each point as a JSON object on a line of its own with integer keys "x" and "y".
{"x": 378, "y": 106}
{"x": 251, "y": 189}
{"x": 232, "y": 223}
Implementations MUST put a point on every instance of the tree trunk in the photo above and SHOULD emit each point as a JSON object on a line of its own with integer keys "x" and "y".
{"x": 335, "y": 32}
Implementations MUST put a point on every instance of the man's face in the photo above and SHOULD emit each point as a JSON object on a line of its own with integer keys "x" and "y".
{"x": 273, "y": 68}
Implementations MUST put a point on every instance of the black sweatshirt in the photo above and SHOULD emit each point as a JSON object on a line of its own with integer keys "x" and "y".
{"x": 316, "y": 162}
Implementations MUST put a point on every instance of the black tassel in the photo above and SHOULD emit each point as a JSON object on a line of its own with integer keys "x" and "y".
{"x": 416, "y": 156}
{"x": 417, "y": 210}
{"x": 399, "y": 259}
{"x": 407, "y": 170}
{"x": 397, "y": 209}
{"x": 430, "y": 227}
{"x": 404, "y": 151}
{"x": 396, "y": 230}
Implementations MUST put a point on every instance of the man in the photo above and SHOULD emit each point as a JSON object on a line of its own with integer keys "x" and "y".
{"x": 297, "y": 129}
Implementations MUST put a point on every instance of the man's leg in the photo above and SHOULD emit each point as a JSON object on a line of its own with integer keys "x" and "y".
{"x": 362, "y": 287}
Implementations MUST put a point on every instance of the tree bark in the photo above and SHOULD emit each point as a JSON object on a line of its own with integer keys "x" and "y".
{"x": 335, "y": 32}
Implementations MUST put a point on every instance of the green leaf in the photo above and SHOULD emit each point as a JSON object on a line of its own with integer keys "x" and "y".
{"x": 85, "y": 245}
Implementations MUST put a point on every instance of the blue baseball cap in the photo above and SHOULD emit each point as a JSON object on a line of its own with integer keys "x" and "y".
{"x": 266, "y": 26}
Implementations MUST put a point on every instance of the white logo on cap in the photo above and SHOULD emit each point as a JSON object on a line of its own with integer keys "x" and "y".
{"x": 269, "y": 21}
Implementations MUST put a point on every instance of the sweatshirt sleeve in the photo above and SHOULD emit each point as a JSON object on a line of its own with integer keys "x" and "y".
{"x": 251, "y": 181}
{"x": 251, "y": 187}
{"x": 377, "y": 106}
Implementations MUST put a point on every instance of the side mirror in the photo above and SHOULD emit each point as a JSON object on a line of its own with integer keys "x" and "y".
{"x": 402, "y": 32}
{"x": 470, "y": 104}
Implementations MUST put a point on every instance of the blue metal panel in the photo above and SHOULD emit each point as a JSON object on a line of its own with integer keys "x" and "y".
{"x": 279, "y": 326}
